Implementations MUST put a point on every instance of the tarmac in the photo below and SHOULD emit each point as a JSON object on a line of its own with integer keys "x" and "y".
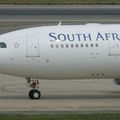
{"x": 14, "y": 17}
{"x": 59, "y": 96}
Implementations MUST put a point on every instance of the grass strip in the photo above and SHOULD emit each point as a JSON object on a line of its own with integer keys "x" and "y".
{"x": 105, "y": 116}
{"x": 61, "y": 2}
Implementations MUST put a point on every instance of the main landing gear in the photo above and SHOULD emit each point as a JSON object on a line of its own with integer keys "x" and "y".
{"x": 34, "y": 93}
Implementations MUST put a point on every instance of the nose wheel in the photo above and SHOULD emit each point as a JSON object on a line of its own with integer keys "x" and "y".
{"x": 34, "y": 93}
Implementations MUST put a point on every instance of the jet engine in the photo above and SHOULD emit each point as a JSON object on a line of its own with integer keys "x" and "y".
{"x": 117, "y": 81}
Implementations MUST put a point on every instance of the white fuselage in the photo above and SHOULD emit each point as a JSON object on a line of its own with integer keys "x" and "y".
{"x": 62, "y": 52}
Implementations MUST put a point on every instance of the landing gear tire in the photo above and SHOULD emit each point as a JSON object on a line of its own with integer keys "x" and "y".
{"x": 34, "y": 94}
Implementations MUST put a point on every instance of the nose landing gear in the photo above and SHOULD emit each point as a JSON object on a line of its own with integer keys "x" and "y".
{"x": 34, "y": 93}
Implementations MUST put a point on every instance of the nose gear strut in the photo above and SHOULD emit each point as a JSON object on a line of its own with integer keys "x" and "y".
{"x": 34, "y": 93}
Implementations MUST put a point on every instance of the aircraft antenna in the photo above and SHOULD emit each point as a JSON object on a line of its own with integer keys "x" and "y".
{"x": 59, "y": 24}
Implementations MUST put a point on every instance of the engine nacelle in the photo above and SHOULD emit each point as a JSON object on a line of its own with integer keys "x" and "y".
{"x": 117, "y": 81}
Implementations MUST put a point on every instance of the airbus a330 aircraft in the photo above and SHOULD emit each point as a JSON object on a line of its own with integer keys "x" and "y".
{"x": 61, "y": 52}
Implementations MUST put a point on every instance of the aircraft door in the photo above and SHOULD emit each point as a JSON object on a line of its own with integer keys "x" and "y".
{"x": 114, "y": 48}
{"x": 32, "y": 46}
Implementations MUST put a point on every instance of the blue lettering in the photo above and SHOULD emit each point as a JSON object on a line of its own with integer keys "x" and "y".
{"x": 115, "y": 36}
{"x": 78, "y": 36}
{"x": 82, "y": 36}
{"x": 52, "y": 36}
{"x": 71, "y": 37}
{"x": 99, "y": 36}
{"x": 61, "y": 37}
{"x": 107, "y": 35}
{"x": 87, "y": 37}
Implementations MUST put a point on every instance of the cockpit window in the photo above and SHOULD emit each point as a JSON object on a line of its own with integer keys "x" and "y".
{"x": 3, "y": 45}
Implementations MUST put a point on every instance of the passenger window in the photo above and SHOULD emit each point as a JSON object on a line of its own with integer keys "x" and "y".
{"x": 62, "y": 45}
{"x": 3, "y": 45}
{"x": 86, "y": 45}
{"x": 91, "y": 45}
{"x": 81, "y": 45}
{"x": 67, "y": 46}
{"x": 72, "y": 46}
{"x": 52, "y": 46}
{"x": 96, "y": 45}
{"x": 57, "y": 46}
{"x": 77, "y": 45}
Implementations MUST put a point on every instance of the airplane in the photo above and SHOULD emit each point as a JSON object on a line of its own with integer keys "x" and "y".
{"x": 90, "y": 51}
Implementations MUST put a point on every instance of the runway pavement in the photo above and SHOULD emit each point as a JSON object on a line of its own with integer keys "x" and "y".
{"x": 56, "y": 13}
{"x": 18, "y": 17}
{"x": 60, "y": 96}
{"x": 60, "y": 10}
